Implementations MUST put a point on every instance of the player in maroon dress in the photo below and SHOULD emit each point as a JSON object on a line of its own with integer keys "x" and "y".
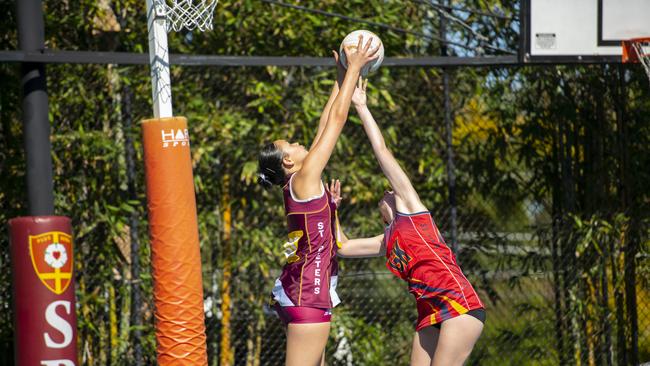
{"x": 450, "y": 313}
{"x": 305, "y": 292}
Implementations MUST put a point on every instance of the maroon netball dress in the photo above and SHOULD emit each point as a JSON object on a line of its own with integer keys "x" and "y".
{"x": 309, "y": 277}
{"x": 417, "y": 253}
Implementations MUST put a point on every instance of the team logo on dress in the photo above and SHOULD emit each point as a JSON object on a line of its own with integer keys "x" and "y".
{"x": 399, "y": 259}
{"x": 51, "y": 255}
{"x": 291, "y": 247}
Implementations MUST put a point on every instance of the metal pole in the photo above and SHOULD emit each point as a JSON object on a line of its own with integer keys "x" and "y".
{"x": 36, "y": 125}
{"x": 159, "y": 59}
{"x": 136, "y": 295}
{"x": 451, "y": 175}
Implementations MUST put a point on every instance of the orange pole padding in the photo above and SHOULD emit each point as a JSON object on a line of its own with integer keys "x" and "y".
{"x": 175, "y": 255}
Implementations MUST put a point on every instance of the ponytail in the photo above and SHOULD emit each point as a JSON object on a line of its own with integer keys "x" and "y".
{"x": 270, "y": 171}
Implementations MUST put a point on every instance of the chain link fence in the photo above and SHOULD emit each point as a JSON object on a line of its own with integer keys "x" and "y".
{"x": 561, "y": 288}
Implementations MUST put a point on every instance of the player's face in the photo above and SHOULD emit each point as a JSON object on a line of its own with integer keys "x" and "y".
{"x": 387, "y": 206}
{"x": 295, "y": 151}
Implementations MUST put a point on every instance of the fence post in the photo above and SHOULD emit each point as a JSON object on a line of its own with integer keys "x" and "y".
{"x": 451, "y": 174}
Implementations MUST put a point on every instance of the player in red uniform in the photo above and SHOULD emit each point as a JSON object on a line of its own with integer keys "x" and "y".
{"x": 450, "y": 313}
{"x": 305, "y": 292}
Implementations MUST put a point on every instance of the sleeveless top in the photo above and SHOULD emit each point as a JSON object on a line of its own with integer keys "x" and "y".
{"x": 310, "y": 275}
{"x": 417, "y": 253}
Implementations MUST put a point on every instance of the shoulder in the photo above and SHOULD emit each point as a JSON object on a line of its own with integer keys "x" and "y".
{"x": 293, "y": 194}
{"x": 304, "y": 187}
{"x": 409, "y": 202}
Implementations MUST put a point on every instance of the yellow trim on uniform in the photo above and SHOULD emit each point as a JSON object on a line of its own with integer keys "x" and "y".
{"x": 339, "y": 244}
{"x": 460, "y": 309}
{"x": 294, "y": 238}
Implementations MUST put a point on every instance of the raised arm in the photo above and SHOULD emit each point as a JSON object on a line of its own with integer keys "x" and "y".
{"x": 307, "y": 181}
{"x": 340, "y": 75}
{"x": 406, "y": 198}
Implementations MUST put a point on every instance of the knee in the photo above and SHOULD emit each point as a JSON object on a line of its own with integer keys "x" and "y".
{"x": 461, "y": 357}
{"x": 457, "y": 360}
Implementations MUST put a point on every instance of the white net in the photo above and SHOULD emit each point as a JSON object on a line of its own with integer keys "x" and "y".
{"x": 189, "y": 14}
{"x": 642, "y": 49}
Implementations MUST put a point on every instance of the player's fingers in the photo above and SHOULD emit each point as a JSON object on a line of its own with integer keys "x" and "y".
{"x": 336, "y": 56}
{"x": 360, "y": 82}
{"x": 376, "y": 56}
{"x": 365, "y": 85}
{"x": 374, "y": 51}
{"x": 348, "y": 50}
{"x": 360, "y": 43}
{"x": 367, "y": 46}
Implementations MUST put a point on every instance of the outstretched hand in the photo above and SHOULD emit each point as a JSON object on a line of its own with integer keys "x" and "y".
{"x": 335, "y": 191}
{"x": 358, "y": 56}
{"x": 359, "y": 97}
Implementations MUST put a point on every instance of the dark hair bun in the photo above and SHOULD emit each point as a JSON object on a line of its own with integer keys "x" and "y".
{"x": 264, "y": 181}
{"x": 270, "y": 171}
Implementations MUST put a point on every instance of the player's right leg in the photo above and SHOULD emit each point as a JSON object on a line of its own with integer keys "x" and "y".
{"x": 456, "y": 340}
{"x": 306, "y": 343}
{"x": 424, "y": 345}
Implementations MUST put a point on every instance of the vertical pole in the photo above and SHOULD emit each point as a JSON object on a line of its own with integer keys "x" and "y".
{"x": 136, "y": 296}
{"x": 159, "y": 59}
{"x": 451, "y": 175}
{"x": 175, "y": 251}
{"x": 171, "y": 203}
{"x": 227, "y": 356}
{"x": 36, "y": 125}
{"x": 524, "y": 30}
{"x": 42, "y": 263}
{"x": 630, "y": 208}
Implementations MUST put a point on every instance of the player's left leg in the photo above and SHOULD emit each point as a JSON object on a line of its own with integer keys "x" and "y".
{"x": 456, "y": 340}
{"x": 424, "y": 345}
{"x": 306, "y": 343}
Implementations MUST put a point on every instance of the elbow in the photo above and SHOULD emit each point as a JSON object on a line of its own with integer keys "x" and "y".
{"x": 342, "y": 252}
{"x": 382, "y": 250}
{"x": 339, "y": 115}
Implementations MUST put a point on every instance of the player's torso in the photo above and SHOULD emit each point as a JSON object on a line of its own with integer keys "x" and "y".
{"x": 307, "y": 276}
{"x": 417, "y": 253}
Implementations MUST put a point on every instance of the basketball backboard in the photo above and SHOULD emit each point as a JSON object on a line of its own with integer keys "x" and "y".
{"x": 581, "y": 30}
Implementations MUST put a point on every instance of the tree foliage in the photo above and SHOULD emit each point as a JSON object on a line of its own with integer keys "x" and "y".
{"x": 558, "y": 153}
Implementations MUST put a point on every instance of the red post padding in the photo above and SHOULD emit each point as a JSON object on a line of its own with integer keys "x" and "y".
{"x": 43, "y": 288}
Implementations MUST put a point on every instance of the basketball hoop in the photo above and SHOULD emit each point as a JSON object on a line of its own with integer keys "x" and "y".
{"x": 637, "y": 50}
{"x": 188, "y": 14}
{"x": 164, "y": 16}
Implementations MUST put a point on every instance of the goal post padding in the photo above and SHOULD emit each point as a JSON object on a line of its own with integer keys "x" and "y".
{"x": 42, "y": 267}
{"x": 175, "y": 254}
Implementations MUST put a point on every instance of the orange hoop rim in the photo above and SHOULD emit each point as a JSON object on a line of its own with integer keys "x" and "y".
{"x": 630, "y": 52}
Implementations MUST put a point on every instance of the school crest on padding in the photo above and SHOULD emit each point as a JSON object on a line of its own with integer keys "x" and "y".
{"x": 52, "y": 258}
